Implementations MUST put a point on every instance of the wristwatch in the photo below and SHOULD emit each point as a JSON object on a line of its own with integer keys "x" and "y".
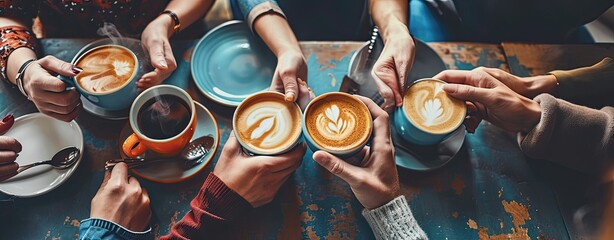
{"x": 19, "y": 77}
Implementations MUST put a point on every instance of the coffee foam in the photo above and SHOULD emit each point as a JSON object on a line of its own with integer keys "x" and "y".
{"x": 338, "y": 123}
{"x": 105, "y": 69}
{"x": 268, "y": 123}
{"x": 431, "y": 109}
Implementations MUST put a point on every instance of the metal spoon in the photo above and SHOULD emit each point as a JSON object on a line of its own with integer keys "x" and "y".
{"x": 61, "y": 160}
{"x": 192, "y": 154}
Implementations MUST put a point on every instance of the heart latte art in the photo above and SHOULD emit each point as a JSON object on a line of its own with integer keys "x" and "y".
{"x": 431, "y": 109}
{"x": 268, "y": 123}
{"x": 106, "y": 69}
{"x": 338, "y": 122}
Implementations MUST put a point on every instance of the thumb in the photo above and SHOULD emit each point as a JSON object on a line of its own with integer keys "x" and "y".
{"x": 336, "y": 166}
{"x": 468, "y": 93}
{"x": 290, "y": 88}
{"x": 51, "y": 63}
{"x": 156, "y": 55}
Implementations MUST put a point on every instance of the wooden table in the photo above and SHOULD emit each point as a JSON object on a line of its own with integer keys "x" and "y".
{"x": 489, "y": 190}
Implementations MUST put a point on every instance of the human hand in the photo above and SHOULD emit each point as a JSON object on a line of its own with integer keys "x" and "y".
{"x": 49, "y": 93}
{"x": 375, "y": 181}
{"x": 121, "y": 200}
{"x": 291, "y": 69}
{"x": 256, "y": 178}
{"x": 9, "y": 149}
{"x": 526, "y": 86}
{"x": 496, "y": 102}
{"x": 155, "y": 42}
{"x": 392, "y": 67}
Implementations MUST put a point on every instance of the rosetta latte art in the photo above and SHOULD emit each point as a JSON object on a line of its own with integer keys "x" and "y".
{"x": 335, "y": 124}
{"x": 267, "y": 128}
{"x": 430, "y": 108}
{"x": 105, "y": 70}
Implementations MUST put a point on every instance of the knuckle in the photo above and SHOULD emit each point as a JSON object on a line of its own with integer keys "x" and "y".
{"x": 45, "y": 59}
{"x": 116, "y": 188}
{"x": 337, "y": 168}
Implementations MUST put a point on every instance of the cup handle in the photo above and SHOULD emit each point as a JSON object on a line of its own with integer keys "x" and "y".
{"x": 133, "y": 147}
{"x": 70, "y": 82}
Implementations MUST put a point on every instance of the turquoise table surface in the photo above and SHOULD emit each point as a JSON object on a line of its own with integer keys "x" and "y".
{"x": 490, "y": 190}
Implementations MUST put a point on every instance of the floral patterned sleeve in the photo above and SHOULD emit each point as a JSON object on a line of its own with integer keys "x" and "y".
{"x": 14, "y": 37}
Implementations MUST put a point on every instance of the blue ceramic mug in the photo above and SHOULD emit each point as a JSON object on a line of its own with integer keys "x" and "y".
{"x": 117, "y": 99}
{"x": 326, "y": 117}
{"x": 415, "y": 133}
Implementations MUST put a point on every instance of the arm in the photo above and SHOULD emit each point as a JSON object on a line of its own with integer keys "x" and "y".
{"x": 48, "y": 93}
{"x": 266, "y": 19}
{"x": 156, "y": 35}
{"x": 375, "y": 182}
{"x": 392, "y": 67}
{"x": 238, "y": 183}
{"x": 590, "y": 86}
{"x": 394, "y": 220}
{"x": 120, "y": 209}
{"x": 568, "y": 133}
{"x": 548, "y": 128}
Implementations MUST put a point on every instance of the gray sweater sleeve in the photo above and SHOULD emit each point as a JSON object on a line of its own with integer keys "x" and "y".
{"x": 394, "y": 221}
{"x": 575, "y": 136}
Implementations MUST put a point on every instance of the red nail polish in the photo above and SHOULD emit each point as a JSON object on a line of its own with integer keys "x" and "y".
{"x": 77, "y": 70}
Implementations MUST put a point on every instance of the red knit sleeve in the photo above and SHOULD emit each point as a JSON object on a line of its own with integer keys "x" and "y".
{"x": 215, "y": 205}
{"x": 11, "y": 38}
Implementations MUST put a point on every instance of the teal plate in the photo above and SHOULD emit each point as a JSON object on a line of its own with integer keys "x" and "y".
{"x": 230, "y": 63}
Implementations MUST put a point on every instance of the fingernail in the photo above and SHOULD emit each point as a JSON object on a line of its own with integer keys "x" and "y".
{"x": 77, "y": 70}
{"x": 290, "y": 96}
{"x": 70, "y": 88}
{"x": 163, "y": 63}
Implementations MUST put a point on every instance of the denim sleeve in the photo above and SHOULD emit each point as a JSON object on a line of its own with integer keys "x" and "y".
{"x": 247, "y": 6}
{"x": 95, "y": 228}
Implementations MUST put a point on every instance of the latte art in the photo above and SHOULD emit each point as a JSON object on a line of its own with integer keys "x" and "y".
{"x": 431, "y": 109}
{"x": 338, "y": 122}
{"x": 335, "y": 124}
{"x": 266, "y": 126}
{"x": 267, "y": 123}
{"x": 106, "y": 69}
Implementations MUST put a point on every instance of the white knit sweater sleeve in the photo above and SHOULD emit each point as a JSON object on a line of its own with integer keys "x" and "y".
{"x": 394, "y": 220}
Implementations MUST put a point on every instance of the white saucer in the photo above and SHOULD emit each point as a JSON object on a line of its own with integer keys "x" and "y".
{"x": 41, "y": 137}
{"x": 172, "y": 172}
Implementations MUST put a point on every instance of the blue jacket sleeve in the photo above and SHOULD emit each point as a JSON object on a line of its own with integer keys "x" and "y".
{"x": 95, "y": 228}
{"x": 247, "y": 6}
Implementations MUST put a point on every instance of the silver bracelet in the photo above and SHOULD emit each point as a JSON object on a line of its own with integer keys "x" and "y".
{"x": 19, "y": 77}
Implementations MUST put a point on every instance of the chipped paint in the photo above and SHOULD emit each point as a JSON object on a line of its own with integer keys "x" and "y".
{"x": 455, "y": 214}
{"x": 173, "y": 220}
{"x": 328, "y": 54}
{"x": 500, "y": 193}
{"x": 458, "y": 184}
{"x": 333, "y": 80}
{"x": 343, "y": 223}
{"x": 519, "y": 214}
{"x": 472, "y": 224}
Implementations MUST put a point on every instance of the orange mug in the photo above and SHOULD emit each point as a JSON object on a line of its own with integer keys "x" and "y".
{"x": 139, "y": 141}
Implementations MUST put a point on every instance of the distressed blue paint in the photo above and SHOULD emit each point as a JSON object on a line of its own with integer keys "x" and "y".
{"x": 517, "y": 68}
{"x": 489, "y": 161}
{"x": 319, "y": 76}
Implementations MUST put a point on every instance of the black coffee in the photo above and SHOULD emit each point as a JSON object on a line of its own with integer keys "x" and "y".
{"x": 163, "y": 117}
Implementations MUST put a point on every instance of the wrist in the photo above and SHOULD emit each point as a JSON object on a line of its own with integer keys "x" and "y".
{"x": 542, "y": 84}
{"x": 164, "y": 24}
{"x": 395, "y": 30}
{"x": 534, "y": 114}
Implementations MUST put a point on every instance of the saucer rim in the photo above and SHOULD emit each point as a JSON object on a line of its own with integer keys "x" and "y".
{"x": 184, "y": 178}
{"x": 71, "y": 170}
